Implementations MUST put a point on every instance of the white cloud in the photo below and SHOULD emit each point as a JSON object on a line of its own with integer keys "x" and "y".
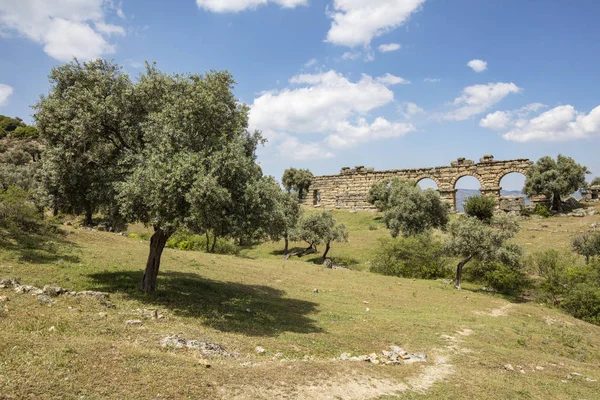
{"x": 477, "y": 65}
{"x": 66, "y": 28}
{"x": 349, "y": 55}
{"x": 310, "y": 63}
{"x": 5, "y": 92}
{"x": 409, "y": 109}
{"x": 431, "y": 80}
{"x": 477, "y": 99}
{"x": 326, "y": 104}
{"x": 357, "y": 22}
{"x": 227, "y": 6}
{"x": 558, "y": 124}
{"x": 501, "y": 120}
{"x": 292, "y": 148}
{"x": 385, "y": 48}
{"x": 389, "y": 80}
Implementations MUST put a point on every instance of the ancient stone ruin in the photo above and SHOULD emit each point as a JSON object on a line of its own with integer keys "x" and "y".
{"x": 349, "y": 188}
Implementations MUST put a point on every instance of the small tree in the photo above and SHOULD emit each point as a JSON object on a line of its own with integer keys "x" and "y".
{"x": 555, "y": 178}
{"x": 284, "y": 217}
{"x": 480, "y": 207}
{"x": 595, "y": 181}
{"x": 471, "y": 238}
{"x": 297, "y": 180}
{"x": 319, "y": 228}
{"x": 408, "y": 209}
{"x": 587, "y": 245}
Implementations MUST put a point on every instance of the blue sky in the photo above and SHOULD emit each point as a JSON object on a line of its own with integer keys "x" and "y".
{"x": 384, "y": 83}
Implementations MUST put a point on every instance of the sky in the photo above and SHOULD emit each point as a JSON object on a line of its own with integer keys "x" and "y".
{"x": 387, "y": 84}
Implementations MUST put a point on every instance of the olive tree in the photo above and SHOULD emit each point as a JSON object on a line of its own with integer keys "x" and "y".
{"x": 319, "y": 228}
{"x": 555, "y": 178}
{"x": 297, "y": 180}
{"x": 587, "y": 245}
{"x": 408, "y": 209}
{"x": 471, "y": 238}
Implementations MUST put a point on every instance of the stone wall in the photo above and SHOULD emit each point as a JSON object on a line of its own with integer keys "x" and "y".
{"x": 349, "y": 188}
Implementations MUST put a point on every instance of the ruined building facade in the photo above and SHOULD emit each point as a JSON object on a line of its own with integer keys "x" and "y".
{"x": 349, "y": 189}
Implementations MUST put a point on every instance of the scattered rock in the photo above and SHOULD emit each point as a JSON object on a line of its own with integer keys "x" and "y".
{"x": 315, "y": 290}
{"x": 148, "y": 313}
{"x": 327, "y": 263}
{"x": 344, "y": 356}
{"x": 204, "y": 363}
{"x": 260, "y": 350}
{"x": 8, "y": 283}
{"x": 367, "y": 309}
{"x": 577, "y": 213}
{"x": 45, "y": 299}
{"x": 508, "y": 367}
{"x": 206, "y": 348}
{"x": 102, "y": 314}
{"x": 94, "y": 295}
{"x": 4, "y": 299}
{"x": 539, "y": 368}
{"x": 133, "y": 322}
{"x": 52, "y": 329}
{"x": 53, "y": 291}
{"x": 396, "y": 355}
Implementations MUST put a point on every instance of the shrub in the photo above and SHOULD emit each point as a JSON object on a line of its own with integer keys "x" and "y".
{"x": 18, "y": 213}
{"x": 481, "y": 207}
{"x": 186, "y": 241}
{"x": 542, "y": 210}
{"x": 417, "y": 256}
{"x": 551, "y": 266}
{"x": 587, "y": 245}
{"x": 506, "y": 279}
{"x": 372, "y": 227}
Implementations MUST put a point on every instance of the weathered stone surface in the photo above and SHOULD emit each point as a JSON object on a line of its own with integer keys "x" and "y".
{"x": 206, "y": 348}
{"x": 512, "y": 203}
{"x": 349, "y": 189}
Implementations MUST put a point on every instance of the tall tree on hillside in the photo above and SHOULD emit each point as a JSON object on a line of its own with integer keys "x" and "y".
{"x": 408, "y": 209}
{"x": 196, "y": 163}
{"x": 555, "y": 178}
{"x": 320, "y": 228}
{"x": 297, "y": 180}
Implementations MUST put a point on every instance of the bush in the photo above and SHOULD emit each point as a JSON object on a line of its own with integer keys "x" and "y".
{"x": 506, "y": 279}
{"x": 481, "y": 207}
{"x": 186, "y": 241}
{"x": 18, "y": 213}
{"x": 372, "y": 227}
{"x": 417, "y": 256}
{"x": 542, "y": 210}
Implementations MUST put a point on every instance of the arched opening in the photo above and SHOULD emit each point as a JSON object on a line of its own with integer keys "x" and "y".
{"x": 512, "y": 185}
{"x": 467, "y": 186}
{"x": 427, "y": 183}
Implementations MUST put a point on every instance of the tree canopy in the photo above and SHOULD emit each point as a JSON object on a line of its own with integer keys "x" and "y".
{"x": 480, "y": 207}
{"x": 471, "y": 238}
{"x": 297, "y": 180}
{"x": 555, "y": 178}
{"x": 408, "y": 209}
{"x": 320, "y": 228}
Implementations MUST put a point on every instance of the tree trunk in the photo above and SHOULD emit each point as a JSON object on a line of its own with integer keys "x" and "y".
{"x": 459, "y": 268}
{"x": 157, "y": 245}
{"x": 88, "y": 216}
{"x": 207, "y": 242}
{"x": 285, "y": 238}
{"x": 556, "y": 202}
{"x": 327, "y": 247}
{"x": 214, "y": 243}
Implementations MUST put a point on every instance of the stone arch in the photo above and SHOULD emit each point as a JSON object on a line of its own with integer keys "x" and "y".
{"x": 422, "y": 177}
{"x": 474, "y": 174}
{"x": 522, "y": 171}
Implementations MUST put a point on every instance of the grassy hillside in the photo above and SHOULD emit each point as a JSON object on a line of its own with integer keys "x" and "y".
{"x": 83, "y": 348}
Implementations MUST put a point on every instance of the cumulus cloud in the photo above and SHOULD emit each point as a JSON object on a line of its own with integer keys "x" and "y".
{"x": 385, "y": 48}
{"x": 431, "y": 80}
{"x": 357, "y": 22}
{"x": 5, "y": 92}
{"x": 66, "y": 29}
{"x": 409, "y": 109}
{"x": 500, "y": 120}
{"x": 228, "y": 6}
{"x": 325, "y": 104}
{"x": 557, "y": 124}
{"x": 349, "y": 55}
{"x": 477, "y": 65}
{"x": 477, "y": 99}
{"x": 389, "y": 79}
{"x": 292, "y": 148}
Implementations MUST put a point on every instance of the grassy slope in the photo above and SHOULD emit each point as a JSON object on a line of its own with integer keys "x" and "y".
{"x": 206, "y": 297}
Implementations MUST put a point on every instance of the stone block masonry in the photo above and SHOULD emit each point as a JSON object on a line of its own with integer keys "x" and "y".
{"x": 349, "y": 189}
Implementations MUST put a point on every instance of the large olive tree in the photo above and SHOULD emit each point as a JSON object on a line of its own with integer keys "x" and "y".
{"x": 555, "y": 178}
{"x": 408, "y": 209}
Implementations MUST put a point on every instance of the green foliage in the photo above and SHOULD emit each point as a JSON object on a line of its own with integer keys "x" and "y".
{"x": 595, "y": 181}
{"x": 372, "y": 227}
{"x": 555, "y": 178}
{"x": 481, "y": 207}
{"x": 418, "y": 256}
{"x": 18, "y": 213}
{"x": 408, "y": 209}
{"x": 187, "y": 241}
{"x": 542, "y": 210}
{"x": 8, "y": 125}
{"x": 25, "y": 132}
{"x": 587, "y": 245}
{"x": 319, "y": 228}
{"x": 551, "y": 266}
{"x": 297, "y": 180}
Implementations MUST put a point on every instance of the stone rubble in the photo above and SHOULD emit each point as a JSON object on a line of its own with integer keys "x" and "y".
{"x": 52, "y": 291}
{"x": 396, "y": 355}
{"x": 206, "y": 348}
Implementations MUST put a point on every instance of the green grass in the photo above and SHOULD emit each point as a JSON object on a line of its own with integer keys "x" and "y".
{"x": 203, "y": 296}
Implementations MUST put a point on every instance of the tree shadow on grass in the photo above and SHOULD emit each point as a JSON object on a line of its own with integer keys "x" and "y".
{"x": 253, "y": 310}
{"x": 37, "y": 248}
